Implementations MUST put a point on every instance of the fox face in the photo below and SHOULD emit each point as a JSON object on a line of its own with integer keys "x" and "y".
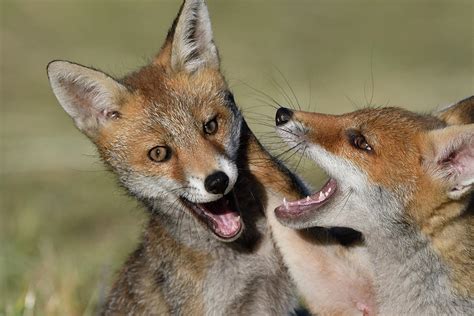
{"x": 171, "y": 130}
{"x": 385, "y": 165}
{"x": 184, "y": 140}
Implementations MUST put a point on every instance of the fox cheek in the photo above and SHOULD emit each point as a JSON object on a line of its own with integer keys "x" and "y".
{"x": 149, "y": 187}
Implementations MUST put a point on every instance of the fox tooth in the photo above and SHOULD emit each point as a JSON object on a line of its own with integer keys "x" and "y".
{"x": 329, "y": 190}
{"x": 321, "y": 196}
{"x": 285, "y": 203}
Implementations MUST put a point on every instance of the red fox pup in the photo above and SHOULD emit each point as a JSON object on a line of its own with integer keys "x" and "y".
{"x": 405, "y": 181}
{"x": 176, "y": 140}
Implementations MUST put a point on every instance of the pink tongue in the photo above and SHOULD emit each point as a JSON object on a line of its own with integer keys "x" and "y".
{"x": 227, "y": 222}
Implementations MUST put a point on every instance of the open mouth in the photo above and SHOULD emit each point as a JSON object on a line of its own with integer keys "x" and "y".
{"x": 296, "y": 209}
{"x": 220, "y": 216}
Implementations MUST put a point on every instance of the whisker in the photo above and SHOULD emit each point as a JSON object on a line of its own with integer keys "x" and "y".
{"x": 291, "y": 89}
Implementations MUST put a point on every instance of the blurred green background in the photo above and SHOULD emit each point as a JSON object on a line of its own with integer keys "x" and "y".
{"x": 66, "y": 226}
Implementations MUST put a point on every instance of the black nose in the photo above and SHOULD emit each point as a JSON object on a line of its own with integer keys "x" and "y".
{"x": 216, "y": 183}
{"x": 283, "y": 116}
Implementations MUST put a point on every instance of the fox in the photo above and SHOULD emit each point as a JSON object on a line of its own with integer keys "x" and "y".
{"x": 173, "y": 135}
{"x": 405, "y": 181}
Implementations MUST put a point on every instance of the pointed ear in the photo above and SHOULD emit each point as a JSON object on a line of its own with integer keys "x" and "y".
{"x": 190, "y": 45}
{"x": 451, "y": 158}
{"x": 459, "y": 113}
{"x": 89, "y": 96}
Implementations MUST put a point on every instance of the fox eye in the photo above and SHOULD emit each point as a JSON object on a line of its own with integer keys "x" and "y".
{"x": 361, "y": 143}
{"x": 358, "y": 141}
{"x": 210, "y": 127}
{"x": 159, "y": 153}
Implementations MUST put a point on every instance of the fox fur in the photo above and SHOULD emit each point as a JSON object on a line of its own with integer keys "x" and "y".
{"x": 405, "y": 181}
{"x": 164, "y": 130}
{"x": 180, "y": 267}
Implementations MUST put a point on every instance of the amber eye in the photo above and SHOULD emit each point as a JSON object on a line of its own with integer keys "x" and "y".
{"x": 159, "y": 153}
{"x": 210, "y": 127}
{"x": 360, "y": 142}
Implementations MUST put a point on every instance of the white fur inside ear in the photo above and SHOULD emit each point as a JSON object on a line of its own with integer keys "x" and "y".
{"x": 454, "y": 158}
{"x": 89, "y": 96}
{"x": 460, "y": 191}
{"x": 464, "y": 165}
{"x": 193, "y": 47}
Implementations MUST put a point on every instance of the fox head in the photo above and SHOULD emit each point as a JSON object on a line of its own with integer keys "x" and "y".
{"x": 170, "y": 130}
{"x": 385, "y": 165}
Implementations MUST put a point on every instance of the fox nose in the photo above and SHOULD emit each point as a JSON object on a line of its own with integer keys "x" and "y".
{"x": 283, "y": 116}
{"x": 216, "y": 183}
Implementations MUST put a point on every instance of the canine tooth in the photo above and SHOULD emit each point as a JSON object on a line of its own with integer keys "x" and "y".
{"x": 285, "y": 203}
{"x": 321, "y": 196}
{"x": 308, "y": 199}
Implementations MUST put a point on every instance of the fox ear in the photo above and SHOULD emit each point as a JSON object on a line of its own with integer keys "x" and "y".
{"x": 190, "y": 45}
{"x": 451, "y": 158}
{"x": 458, "y": 113}
{"x": 89, "y": 96}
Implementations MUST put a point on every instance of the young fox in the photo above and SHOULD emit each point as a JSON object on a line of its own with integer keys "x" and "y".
{"x": 405, "y": 181}
{"x": 175, "y": 138}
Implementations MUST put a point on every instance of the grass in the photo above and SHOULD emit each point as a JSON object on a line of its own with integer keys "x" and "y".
{"x": 67, "y": 239}
{"x": 65, "y": 226}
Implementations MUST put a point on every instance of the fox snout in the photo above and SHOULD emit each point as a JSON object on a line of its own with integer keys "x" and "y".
{"x": 283, "y": 116}
{"x": 216, "y": 183}
{"x": 207, "y": 183}
{"x": 290, "y": 127}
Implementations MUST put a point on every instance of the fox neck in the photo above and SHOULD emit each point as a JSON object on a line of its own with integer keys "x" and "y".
{"x": 410, "y": 274}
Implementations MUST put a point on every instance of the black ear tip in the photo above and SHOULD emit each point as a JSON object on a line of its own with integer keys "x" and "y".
{"x": 283, "y": 116}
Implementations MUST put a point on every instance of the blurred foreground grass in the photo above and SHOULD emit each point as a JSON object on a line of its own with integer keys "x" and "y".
{"x": 66, "y": 227}
{"x": 62, "y": 238}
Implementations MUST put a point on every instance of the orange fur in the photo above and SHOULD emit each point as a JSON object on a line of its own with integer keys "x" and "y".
{"x": 404, "y": 145}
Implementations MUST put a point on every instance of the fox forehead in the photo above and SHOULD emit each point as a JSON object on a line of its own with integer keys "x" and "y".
{"x": 157, "y": 85}
{"x": 169, "y": 105}
{"x": 391, "y": 120}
